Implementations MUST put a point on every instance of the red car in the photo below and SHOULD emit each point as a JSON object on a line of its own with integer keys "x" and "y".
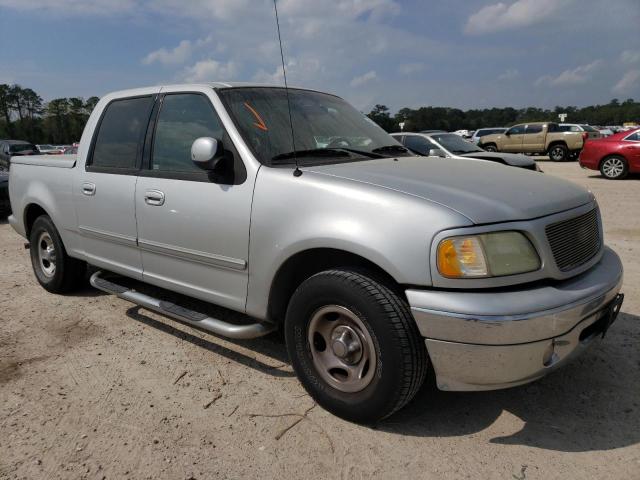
{"x": 615, "y": 156}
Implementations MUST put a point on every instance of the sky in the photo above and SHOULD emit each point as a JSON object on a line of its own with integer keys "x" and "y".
{"x": 400, "y": 53}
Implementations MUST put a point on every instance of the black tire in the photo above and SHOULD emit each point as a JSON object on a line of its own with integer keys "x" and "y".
{"x": 67, "y": 273}
{"x": 558, "y": 152}
{"x": 614, "y": 167}
{"x": 400, "y": 353}
{"x": 490, "y": 147}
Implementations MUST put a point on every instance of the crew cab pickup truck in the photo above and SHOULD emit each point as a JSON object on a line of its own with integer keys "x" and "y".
{"x": 539, "y": 137}
{"x": 292, "y": 208}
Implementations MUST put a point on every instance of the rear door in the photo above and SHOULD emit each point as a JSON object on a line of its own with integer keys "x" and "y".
{"x": 104, "y": 190}
{"x": 533, "y": 138}
{"x": 193, "y": 225}
{"x": 512, "y": 139}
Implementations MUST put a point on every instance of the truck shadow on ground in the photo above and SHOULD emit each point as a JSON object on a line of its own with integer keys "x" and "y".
{"x": 270, "y": 346}
{"x": 591, "y": 404}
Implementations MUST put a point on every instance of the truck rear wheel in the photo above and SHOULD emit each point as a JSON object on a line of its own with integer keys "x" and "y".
{"x": 558, "y": 152}
{"x": 354, "y": 345}
{"x": 56, "y": 271}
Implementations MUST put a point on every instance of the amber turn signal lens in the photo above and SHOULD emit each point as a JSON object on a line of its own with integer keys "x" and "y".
{"x": 461, "y": 257}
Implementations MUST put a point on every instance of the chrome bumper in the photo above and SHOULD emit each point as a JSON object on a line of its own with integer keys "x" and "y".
{"x": 489, "y": 340}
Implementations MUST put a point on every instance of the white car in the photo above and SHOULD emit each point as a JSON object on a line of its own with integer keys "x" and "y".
{"x": 450, "y": 145}
{"x": 481, "y": 132}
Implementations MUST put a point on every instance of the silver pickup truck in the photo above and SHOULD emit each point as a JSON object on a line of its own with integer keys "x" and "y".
{"x": 379, "y": 266}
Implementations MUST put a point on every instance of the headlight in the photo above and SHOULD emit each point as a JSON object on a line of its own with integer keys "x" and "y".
{"x": 486, "y": 255}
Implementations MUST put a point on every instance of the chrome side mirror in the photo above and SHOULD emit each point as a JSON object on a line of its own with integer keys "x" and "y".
{"x": 206, "y": 152}
{"x": 436, "y": 152}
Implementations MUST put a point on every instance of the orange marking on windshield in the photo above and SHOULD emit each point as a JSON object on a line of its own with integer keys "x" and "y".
{"x": 260, "y": 124}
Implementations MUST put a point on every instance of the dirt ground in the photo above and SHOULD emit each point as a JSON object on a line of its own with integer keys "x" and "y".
{"x": 93, "y": 387}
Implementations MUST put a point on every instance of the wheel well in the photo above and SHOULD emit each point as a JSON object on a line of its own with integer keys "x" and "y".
{"x": 304, "y": 264}
{"x": 557, "y": 142}
{"x": 32, "y": 212}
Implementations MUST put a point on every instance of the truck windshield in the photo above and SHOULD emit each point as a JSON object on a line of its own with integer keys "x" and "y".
{"x": 326, "y": 129}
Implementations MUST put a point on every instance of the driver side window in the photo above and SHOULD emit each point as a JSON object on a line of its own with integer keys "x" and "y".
{"x": 516, "y": 130}
{"x": 418, "y": 144}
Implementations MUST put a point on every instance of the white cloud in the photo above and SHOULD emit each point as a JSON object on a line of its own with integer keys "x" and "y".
{"x": 410, "y": 68}
{"x": 630, "y": 56}
{"x": 175, "y": 56}
{"x": 628, "y": 82}
{"x": 522, "y": 13}
{"x": 509, "y": 74}
{"x": 210, "y": 71}
{"x": 363, "y": 79}
{"x": 574, "y": 76}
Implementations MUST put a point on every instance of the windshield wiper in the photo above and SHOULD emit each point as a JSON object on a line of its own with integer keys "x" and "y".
{"x": 390, "y": 148}
{"x": 324, "y": 152}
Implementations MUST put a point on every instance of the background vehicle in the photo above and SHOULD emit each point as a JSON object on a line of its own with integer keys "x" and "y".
{"x": 49, "y": 149}
{"x": 5, "y": 206}
{"x": 538, "y": 137}
{"x": 452, "y": 146}
{"x": 591, "y": 132}
{"x": 615, "y": 156}
{"x": 370, "y": 259}
{"x": 482, "y": 132}
{"x": 70, "y": 150}
{"x": 14, "y": 148}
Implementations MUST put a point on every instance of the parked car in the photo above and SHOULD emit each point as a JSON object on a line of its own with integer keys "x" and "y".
{"x": 70, "y": 151}
{"x": 14, "y": 148}
{"x": 49, "y": 149}
{"x": 482, "y": 132}
{"x": 605, "y": 131}
{"x": 615, "y": 156}
{"x": 376, "y": 264}
{"x": 538, "y": 137}
{"x": 450, "y": 145}
{"x": 591, "y": 132}
{"x": 5, "y": 205}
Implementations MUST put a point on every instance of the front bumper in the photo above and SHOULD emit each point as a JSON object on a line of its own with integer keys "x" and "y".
{"x": 489, "y": 340}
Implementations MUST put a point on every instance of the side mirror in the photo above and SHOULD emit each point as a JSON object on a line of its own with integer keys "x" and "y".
{"x": 507, "y": 133}
{"x": 436, "y": 152}
{"x": 206, "y": 152}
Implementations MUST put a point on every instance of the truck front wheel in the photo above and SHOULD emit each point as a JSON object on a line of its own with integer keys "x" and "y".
{"x": 56, "y": 271}
{"x": 490, "y": 147}
{"x": 354, "y": 345}
{"x": 558, "y": 152}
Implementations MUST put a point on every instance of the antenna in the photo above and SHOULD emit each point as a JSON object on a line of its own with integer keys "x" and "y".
{"x": 297, "y": 172}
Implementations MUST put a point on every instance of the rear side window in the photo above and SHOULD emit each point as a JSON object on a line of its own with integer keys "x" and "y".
{"x": 533, "y": 129}
{"x": 121, "y": 133}
{"x": 183, "y": 118}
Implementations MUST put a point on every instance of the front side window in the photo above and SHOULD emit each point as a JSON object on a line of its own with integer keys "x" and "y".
{"x": 634, "y": 137}
{"x": 517, "y": 130}
{"x": 326, "y": 128}
{"x": 183, "y": 118}
{"x": 419, "y": 144}
{"x": 121, "y": 133}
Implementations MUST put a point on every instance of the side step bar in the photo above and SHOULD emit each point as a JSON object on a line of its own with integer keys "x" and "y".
{"x": 182, "y": 314}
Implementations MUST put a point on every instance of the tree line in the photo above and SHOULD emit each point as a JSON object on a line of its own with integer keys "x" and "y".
{"x": 451, "y": 119}
{"x": 25, "y": 116}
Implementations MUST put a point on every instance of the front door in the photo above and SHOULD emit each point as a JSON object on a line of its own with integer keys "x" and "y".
{"x": 512, "y": 141}
{"x": 104, "y": 191}
{"x": 193, "y": 225}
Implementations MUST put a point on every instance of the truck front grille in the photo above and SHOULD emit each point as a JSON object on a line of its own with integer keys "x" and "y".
{"x": 575, "y": 241}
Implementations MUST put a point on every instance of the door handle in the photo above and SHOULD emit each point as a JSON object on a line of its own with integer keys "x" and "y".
{"x": 154, "y": 197}
{"x": 89, "y": 189}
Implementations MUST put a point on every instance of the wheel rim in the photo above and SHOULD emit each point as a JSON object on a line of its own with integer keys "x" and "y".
{"x": 46, "y": 255}
{"x": 613, "y": 167}
{"x": 557, "y": 153}
{"x": 342, "y": 349}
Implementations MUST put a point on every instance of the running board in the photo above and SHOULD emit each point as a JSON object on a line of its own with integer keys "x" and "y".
{"x": 182, "y": 314}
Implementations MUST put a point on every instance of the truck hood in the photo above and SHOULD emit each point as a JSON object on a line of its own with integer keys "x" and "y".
{"x": 513, "y": 159}
{"x": 483, "y": 192}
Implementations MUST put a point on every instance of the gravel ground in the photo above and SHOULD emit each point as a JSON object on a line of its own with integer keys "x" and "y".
{"x": 93, "y": 387}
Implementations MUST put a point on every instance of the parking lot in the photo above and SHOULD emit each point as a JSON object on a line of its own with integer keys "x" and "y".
{"x": 94, "y": 387}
